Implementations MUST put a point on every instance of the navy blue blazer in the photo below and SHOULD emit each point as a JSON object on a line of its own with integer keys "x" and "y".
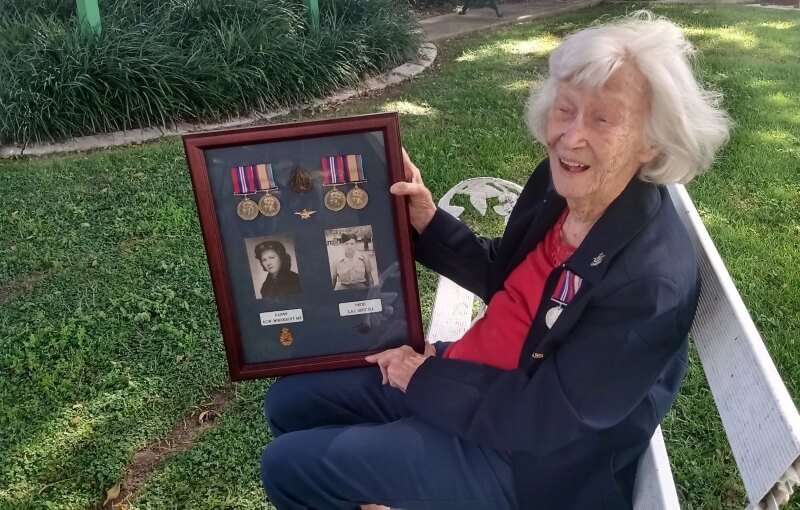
{"x": 588, "y": 394}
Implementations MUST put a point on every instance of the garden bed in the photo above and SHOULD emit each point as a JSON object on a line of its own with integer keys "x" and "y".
{"x": 162, "y": 61}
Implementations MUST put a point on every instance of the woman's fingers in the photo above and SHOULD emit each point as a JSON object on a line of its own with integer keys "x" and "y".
{"x": 412, "y": 173}
{"x": 407, "y": 189}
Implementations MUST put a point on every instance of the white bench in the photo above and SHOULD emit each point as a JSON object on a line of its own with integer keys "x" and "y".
{"x": 760, "y": 419}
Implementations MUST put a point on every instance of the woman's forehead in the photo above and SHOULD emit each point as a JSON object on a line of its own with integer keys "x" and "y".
{"x": 626, "y": 86}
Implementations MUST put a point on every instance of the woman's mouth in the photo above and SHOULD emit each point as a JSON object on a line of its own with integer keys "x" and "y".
{"x": 572, "y": 166}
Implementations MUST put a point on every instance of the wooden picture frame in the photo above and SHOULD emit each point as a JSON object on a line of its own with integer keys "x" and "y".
{"x": 337, "y": 265}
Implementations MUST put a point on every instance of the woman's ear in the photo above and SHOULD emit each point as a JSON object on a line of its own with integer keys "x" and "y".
{"x": 648, "y": 154}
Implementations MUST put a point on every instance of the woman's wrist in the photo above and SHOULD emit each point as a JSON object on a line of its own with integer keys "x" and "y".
{"x": 422, "y": 218}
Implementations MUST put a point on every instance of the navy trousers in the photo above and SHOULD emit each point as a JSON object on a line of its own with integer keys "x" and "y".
{"x": 342, "y": 439}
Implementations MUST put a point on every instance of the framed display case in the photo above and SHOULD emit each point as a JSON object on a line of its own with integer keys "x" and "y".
{"x": 310, "y": 255}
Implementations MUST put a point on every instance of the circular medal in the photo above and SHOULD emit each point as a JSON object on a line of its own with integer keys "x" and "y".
{"x": 247, "y": 209}
{"x": 301, "y": 181}
{"x": 551, "y": 316}
{"x": 335, "y": 200}
{"x": 357, "y": 198}
{"x": 269, "y": 205}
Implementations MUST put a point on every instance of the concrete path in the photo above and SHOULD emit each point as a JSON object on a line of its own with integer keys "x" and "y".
{"x": 452, "y": 25}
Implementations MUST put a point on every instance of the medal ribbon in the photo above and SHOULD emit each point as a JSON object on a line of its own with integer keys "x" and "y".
{"x": 243, "y": 178}
{"x": 266, "y": 180}
{"x": 333, "y": 170}
{"x": 355, "y": 168}
{"x": 567, "y": 287}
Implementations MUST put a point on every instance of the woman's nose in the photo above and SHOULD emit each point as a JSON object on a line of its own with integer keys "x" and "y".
{"x": 575, "y": 133}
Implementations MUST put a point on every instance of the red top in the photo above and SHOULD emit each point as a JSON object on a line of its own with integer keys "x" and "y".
{"x": 497, "y": 338}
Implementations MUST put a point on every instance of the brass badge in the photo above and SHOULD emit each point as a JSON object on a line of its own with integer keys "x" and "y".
{"x": 286, "y": 337}
{"x": 247, "y": 209}
{"x": 301, "y": 180}
{"x": 335, "y": 200}
{"x": 269, "y": 205}
{"x": 305, "y": 214}
{"x": 357, "y": 198}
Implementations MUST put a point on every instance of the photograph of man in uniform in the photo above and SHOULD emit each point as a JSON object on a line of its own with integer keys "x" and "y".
{"x": 352, "y": 258}
{"x": 273, "y": 267}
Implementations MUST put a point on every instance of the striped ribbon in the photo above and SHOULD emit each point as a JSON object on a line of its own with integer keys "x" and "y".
{"x": 342, "y": 169}
{"x": 264, "y": 177}
{"x": 355, "y": 168}
{"x": 568, "y": 285}
{"x": 333, "y": 170}
{"x": 244, "y": 180}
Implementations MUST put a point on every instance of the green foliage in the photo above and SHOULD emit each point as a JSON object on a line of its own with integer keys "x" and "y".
{"x": 161, "y": 61}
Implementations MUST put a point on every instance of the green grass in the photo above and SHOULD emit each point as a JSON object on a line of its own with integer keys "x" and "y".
{"x": 118, "y": 339}
{"x": 163, "y": 61}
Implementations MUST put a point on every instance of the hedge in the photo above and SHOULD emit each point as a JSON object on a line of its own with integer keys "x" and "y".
{"x": 162, "y": 61}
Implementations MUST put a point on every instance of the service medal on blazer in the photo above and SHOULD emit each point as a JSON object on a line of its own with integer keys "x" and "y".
{"x": 568, "y": 285}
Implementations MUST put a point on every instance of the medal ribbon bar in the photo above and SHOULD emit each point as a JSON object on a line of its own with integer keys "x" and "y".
{"x": 333, "y": 171}
{"x": 567, "y": 287}
{"x": 243, "y": 180}
{"x": 265, "y": 178}
{"x": 355, "y": 168}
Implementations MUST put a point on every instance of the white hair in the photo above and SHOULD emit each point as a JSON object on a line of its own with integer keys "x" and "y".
{"x": 686, "y": 123}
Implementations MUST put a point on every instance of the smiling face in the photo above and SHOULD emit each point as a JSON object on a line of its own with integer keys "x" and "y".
{"x": 596, "y": 138}
{"x": 270, "y": 262}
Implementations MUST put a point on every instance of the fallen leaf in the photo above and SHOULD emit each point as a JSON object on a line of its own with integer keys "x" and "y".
{"x": 112, "y": 494}
{"x": 205, "y": 416}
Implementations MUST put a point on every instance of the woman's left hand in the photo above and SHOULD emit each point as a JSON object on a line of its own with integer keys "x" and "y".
{"x": 398, "y": 365}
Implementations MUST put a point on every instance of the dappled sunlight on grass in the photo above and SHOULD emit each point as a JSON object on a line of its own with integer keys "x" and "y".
{"x": 69, "y": 435}
{"x": 728, "y": 35}
{"x": 409, "y": 108}
{"x": 519, "y": 85}
{"x": 777, "y": 138}
{"x": 778, "y": 25}
{"x": 539, "y": 46}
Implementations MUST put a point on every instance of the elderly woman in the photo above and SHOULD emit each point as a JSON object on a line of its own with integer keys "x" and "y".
{"x": 549, "y": 400}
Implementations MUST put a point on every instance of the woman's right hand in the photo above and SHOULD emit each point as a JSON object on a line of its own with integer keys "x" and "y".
{"x": 421, "y": 206}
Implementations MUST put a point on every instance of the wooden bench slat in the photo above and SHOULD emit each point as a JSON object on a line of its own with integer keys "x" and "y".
{"x": 760, "y": 418}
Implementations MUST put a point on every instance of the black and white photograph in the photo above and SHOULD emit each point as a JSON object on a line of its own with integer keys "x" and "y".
{"x": 351, "y": 254}
{"x": 273, "y": 266}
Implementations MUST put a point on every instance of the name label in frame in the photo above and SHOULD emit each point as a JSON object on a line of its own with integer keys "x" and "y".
{"x": 281, "y": 317}
{"x": 359, "y": 307}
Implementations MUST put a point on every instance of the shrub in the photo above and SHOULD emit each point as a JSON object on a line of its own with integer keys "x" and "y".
{"x": 160, "y": 61}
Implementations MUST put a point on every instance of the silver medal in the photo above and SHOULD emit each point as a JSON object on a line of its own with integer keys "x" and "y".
{"x": 551, "y": 316}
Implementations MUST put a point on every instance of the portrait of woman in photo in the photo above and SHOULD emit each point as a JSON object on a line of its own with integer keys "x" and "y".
{"x": 277, "y": 263}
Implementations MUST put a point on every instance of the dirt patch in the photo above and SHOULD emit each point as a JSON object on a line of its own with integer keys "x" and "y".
{"x": 16, "y": 287}
{"x": 180, "y": 438}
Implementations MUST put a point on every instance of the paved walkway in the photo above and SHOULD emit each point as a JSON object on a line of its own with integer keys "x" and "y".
{"x": 447, "y": 26}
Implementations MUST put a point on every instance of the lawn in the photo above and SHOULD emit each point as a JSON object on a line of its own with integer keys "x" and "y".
{"x": 108, "y": 330}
